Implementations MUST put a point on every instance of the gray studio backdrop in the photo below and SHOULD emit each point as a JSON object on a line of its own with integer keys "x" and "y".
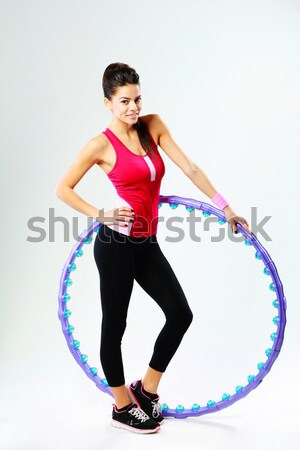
{"x": 224, "y": 76}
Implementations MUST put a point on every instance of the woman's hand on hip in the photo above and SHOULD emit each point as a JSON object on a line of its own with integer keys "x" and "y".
{"x": 119, "y": 216}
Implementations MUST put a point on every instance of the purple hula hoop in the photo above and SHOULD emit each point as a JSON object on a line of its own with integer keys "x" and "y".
{"x": 227, "y": 399}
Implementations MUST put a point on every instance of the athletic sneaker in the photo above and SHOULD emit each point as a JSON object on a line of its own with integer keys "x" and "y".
{"x": 146, "y": 401}
{"x": 133, "y": 418}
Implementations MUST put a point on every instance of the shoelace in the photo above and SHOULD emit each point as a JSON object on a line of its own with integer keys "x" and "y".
{"x": 156, "y": 408}
{"x": 139, "y": 414}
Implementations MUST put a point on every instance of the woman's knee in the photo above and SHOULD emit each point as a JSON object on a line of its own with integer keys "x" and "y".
{"x": 188, "y": 317}
{"x": 183, "y": 318}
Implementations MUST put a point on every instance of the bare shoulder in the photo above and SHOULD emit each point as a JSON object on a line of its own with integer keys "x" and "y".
{"x": 151, "y": 120}
{"x": 97, "y": 147}
{"x": 90, "y": 154}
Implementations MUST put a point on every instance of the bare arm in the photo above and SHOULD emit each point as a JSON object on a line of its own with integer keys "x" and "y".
{"x": 188, "y": 166}
{"x": 88, "y": 156}
{"x": 192, "y": 170}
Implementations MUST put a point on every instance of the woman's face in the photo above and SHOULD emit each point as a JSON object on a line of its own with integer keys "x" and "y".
{"x": 126, "y": 104}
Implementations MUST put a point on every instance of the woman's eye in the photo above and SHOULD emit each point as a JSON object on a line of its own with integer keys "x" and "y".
{"x": 124, "y": 101}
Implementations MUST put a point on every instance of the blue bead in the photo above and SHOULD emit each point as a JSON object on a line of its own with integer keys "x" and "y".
{"x": 225, "y": 396}
{"x": 195, "y": 407}
{"x": 84, "y": 358}
{"x": 66, "y": 297}
{"x": 179, "y": 408}
{"x": 104, "y": 381}
{"x": 268, "y": 351}
{"x": 260, "y": 365}
{"x": 276, "y": 320}
{"x": 211, "y": 403}
{"x": 79, "y": 252}
{"x": 247, "y": 242}
{"x": 221, "y": 221}
{"x": 159, "y": 205}
{"x": 173, "y": 205}
{"x": 68, "y": 281}
{"x": 164, "y": 407}
{"x": 239, "y": 388}
{"x": 275, "y": 303}
{"x": 94, "y": 371}
{"x": 273, "y": 336}
{"x": 189, "y": 208}
{"x": 96, "y": 230}
{"x": 67, "y": 313}
{"x": 266, "y": 271}
{"x": 70, "y": 329}
{"x": 250, "y": 378}
{"x": 88, "y": 240}
{"x": 72, "y": 267}
{"x": 272, "y": 287}
{"x": 257, "y": 255}
{"x": 206, "y": 214}
{"x": 76, "y": 344}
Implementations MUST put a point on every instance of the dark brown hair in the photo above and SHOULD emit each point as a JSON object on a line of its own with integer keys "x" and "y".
{"x": 115, "y": 76}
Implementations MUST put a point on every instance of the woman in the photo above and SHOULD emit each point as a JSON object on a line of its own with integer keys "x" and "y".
{"x": 126, "y": 248}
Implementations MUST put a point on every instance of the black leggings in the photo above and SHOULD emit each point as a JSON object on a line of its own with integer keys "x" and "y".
{"x": 120, "y": 260}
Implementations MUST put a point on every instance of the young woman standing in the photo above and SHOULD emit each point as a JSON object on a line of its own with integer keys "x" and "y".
{"x": 126, "y": 246}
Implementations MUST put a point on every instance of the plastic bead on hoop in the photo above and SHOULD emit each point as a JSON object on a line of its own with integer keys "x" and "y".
{"x": 276, "y": 337}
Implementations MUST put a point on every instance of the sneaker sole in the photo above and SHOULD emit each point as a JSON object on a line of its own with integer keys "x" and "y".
{"x": 134, "y": 399}
{"x": 117, "y": 424}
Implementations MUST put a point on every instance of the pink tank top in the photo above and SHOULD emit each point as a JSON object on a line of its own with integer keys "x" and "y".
{"x": 137, "y": 181}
